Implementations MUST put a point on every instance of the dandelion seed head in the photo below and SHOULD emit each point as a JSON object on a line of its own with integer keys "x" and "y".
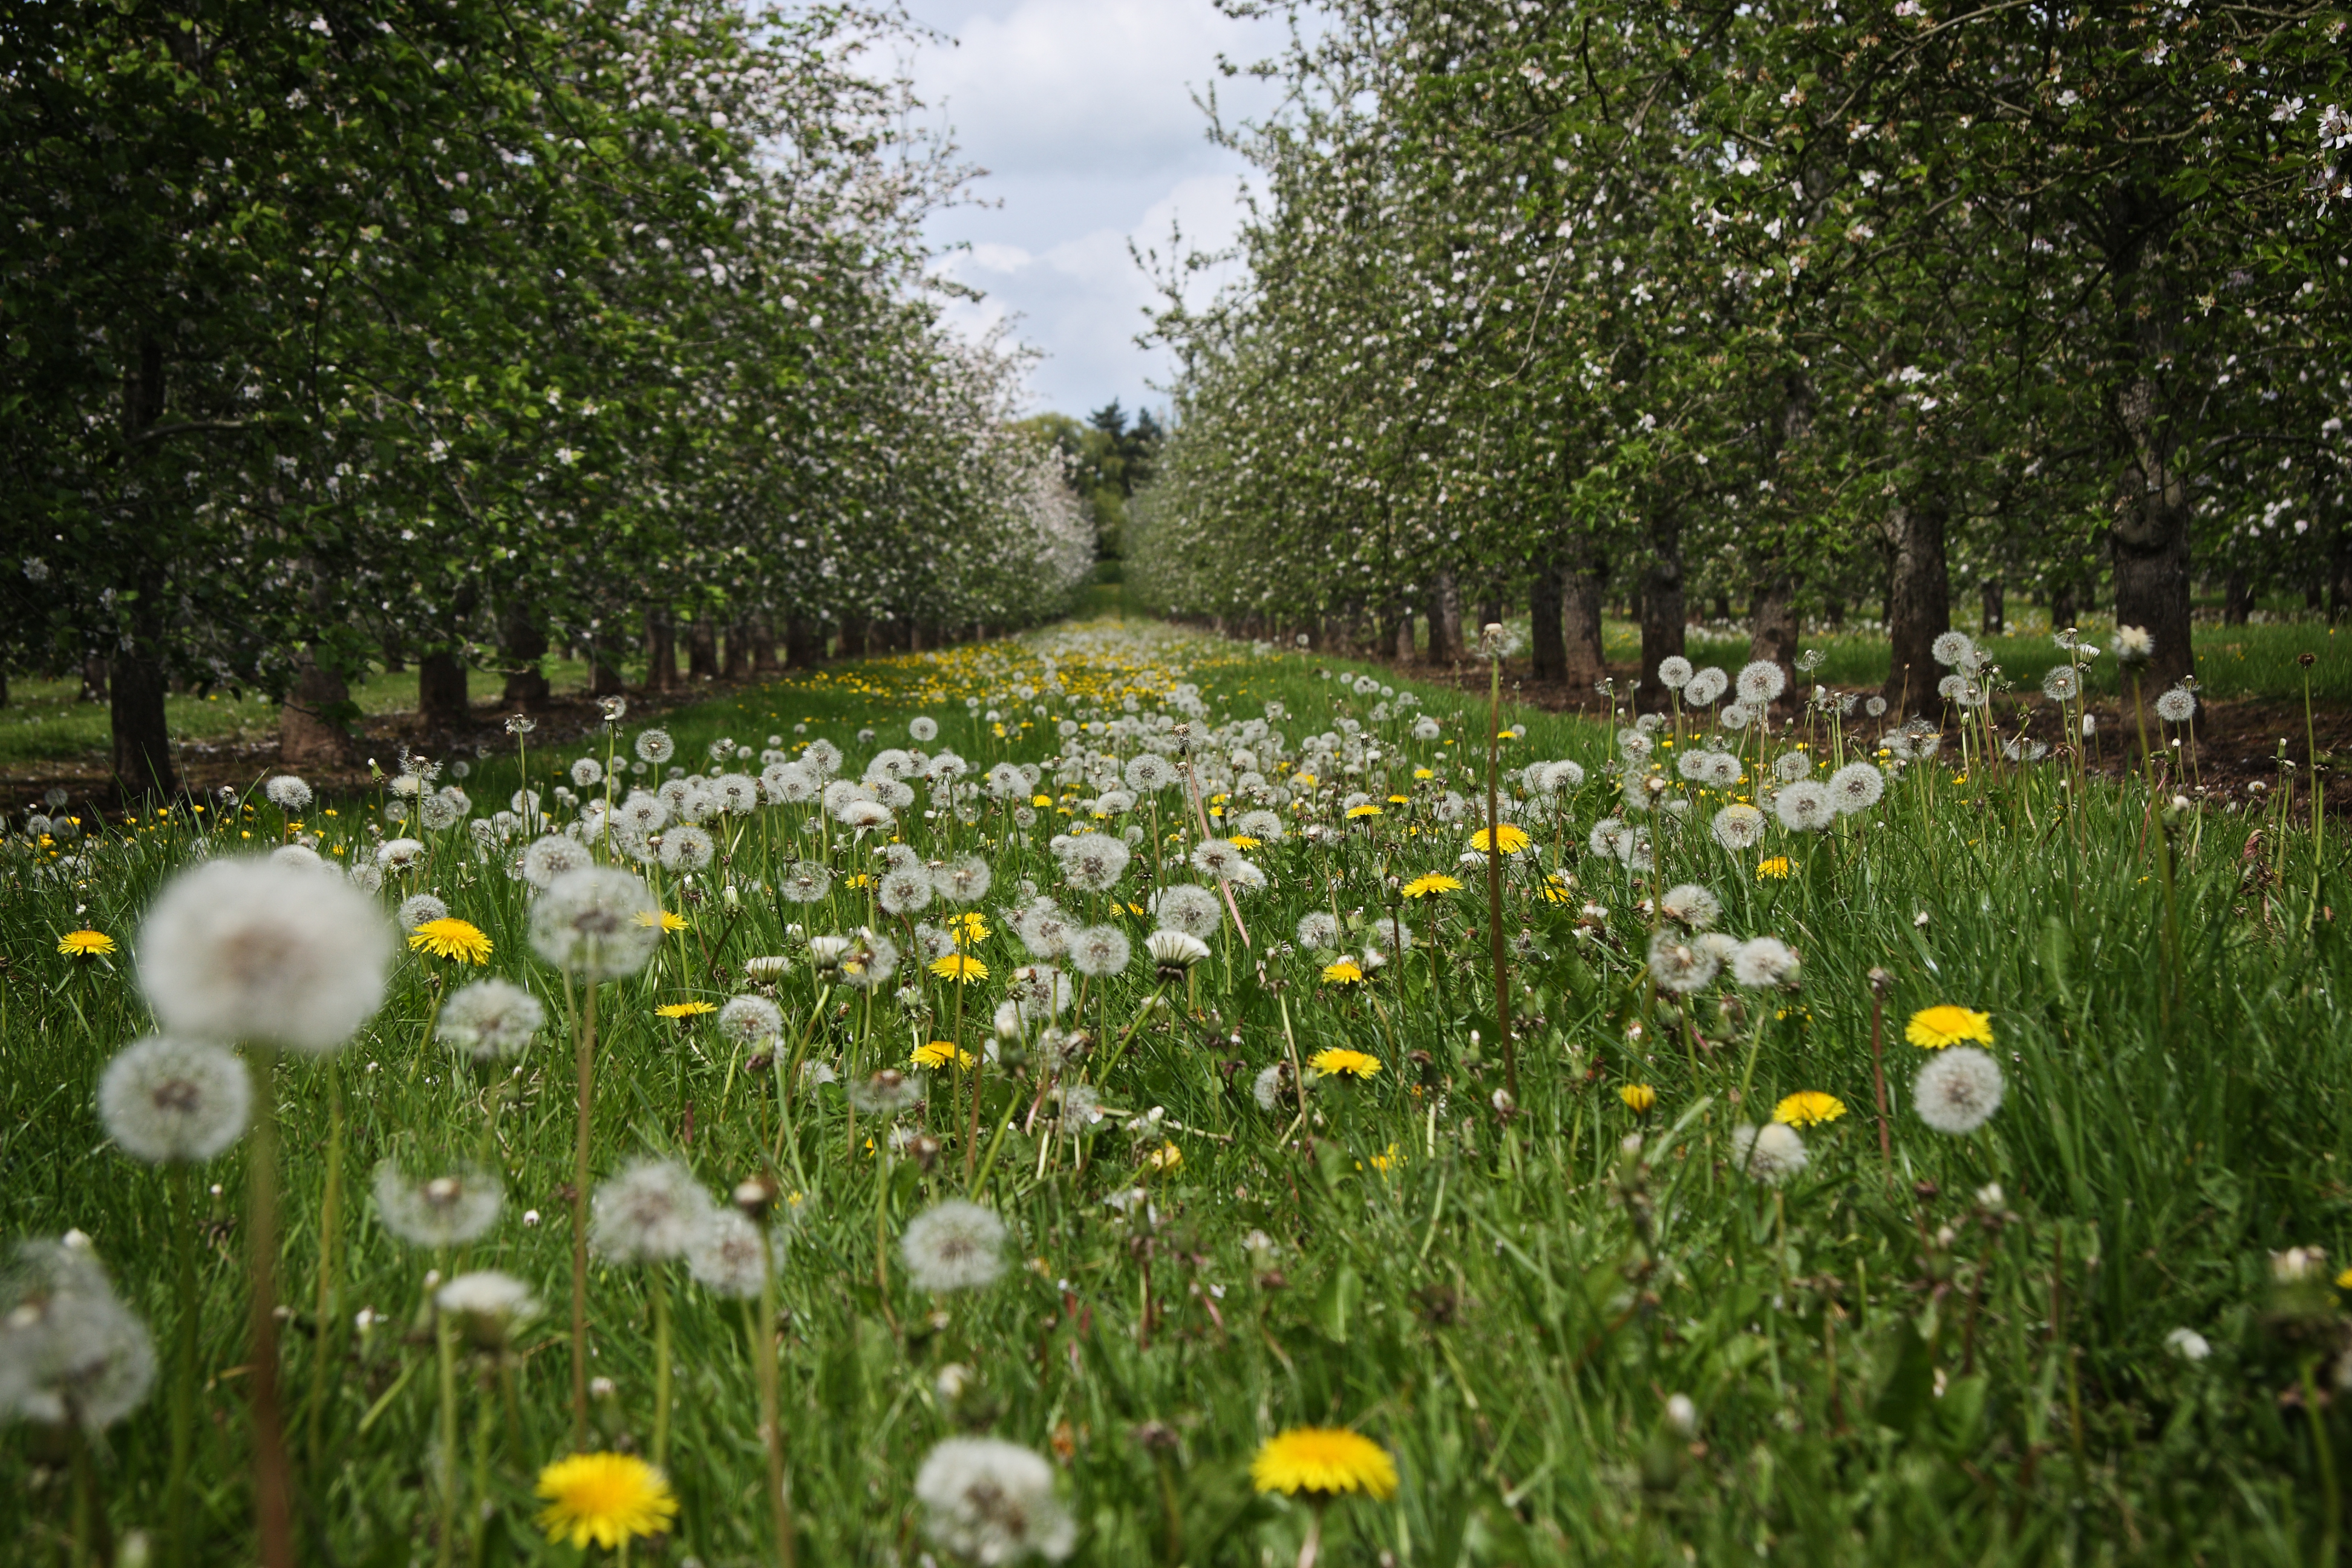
{"x": 245, "y": 950}
{"x": 1771, "y": 1153}
{"x": 953, "y": 1246}
{"x": 170, "y": 1101}
{"x": 649, "y": 1211}
{"x": 448, "y": 1209}
{"x": 1958, "y": 1091}
{"x": 990, "y": 1501}
{"x": 597, "y": 923}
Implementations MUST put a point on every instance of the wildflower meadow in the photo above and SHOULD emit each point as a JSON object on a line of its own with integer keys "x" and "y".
{"x": 1051, "y": 1100}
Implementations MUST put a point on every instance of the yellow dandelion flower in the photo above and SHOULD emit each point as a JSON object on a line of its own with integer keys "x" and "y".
{"x": 1243, "y": 841}
{"x": 1513, "y": 840}
{"x": 1774, "y": 867}
{"x": 1167, "y": 1157}
{"x": 1388, "y": 1162}
{"x": 668, "y": 921}
{"x": 1042, "y": 802}
{"x": 942, "y": 1053}
{"x": 1306, "y": 781}
{"x": 2344, "y": 1280}
{"x": 1424, "y": 773}
{"x": 1358, "y": 813}
{"x": 85, "y": 944}
{"x": 685, "y": 1009}
{"x": 1339, "y": 1060}
{"x": 959, "y": 967}
{"x": 1556, "y": 889}
{"x": 1933, "y": 1029}
{"x": 607, "y": 1498}
{"x": 1421, "y": 887}
{"x": 1342, "y": 971}
{"x": 967, "y": 928}
{"x": 1638, "y": 1096}
{"x": 1324, "y": 1462}
{"x": 1807, "y": 1107}
{"x": 451, "y": 938}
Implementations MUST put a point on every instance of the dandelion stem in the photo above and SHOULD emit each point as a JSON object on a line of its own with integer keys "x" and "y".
{"x": 660, "y": 1287}
{"x": 183, "y": 1369}
{"x": 585, "y": 1067}
{"x": 772, "y": 1431}
{"x": 445, "y": 1345}
{"x": 330, "y": 1204}
{"x": 272, "y": 1503}
{"x": 1494, "y": 877}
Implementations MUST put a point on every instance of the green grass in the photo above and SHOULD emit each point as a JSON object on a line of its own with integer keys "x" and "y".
{"x": 1506, "y": 1304}
{"x": 44, "y": 722}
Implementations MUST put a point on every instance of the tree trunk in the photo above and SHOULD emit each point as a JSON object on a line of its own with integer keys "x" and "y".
{"x": 1996, "y": 600}
{"x": 1918, "y": 603}
{"x": 1580, "y": 598}
{"x": 1401, "y": 636}
{"x": 1663, "y": 615}
{"x": 1547, "y": 654}
{"x": 142, "y": 741}
{"x": 762, "y": 637}
{"x": 393, "y": 663}
{"x": 1444, "y": 620}
{"x": 2148, "y": 539}
{"x": 1773, "y": 631}
{"x": 1490, "y": 613}
{"x": 855, "y": 635}
{"x": 313, "y": 723}
{"x": 804, "y": 643}
{"x": 2063, "y": 611}
{"x": 524, "y": 645}
{"x": 2237, "y": 599}
{"x": 661, "y": 651}
{"x": 442, "y": 704}
{"x": 93, "y": 679}
{"x": 702, "y": 650}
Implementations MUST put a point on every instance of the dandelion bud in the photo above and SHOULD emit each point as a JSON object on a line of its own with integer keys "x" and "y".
{"x": 754, "y": 1196}
{"x": 1681, "y": 1416}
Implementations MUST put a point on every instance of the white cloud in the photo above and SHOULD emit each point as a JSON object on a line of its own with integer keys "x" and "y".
{"x": 1083, "y": 113}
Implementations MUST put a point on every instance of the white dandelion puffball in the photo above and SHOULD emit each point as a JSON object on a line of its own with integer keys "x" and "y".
{"x": 2188, "y": 1344}
{"x": 1856, "y": 787}
{"x": 655, "y": 746}
{"x": 1318, "y": 930}
{"x": 953, "y": 1246}
{"x": 1737, "y": 828}
{"x": 1952, "y": 648}
{"x": 399, "y": 854}
{"x": 1190, "y": 908}
{"x": 1099, "y": 950}
{"x": 1707, "y": 686}
{"x": 1094, "y": 863}
{"x": 490, "y": 1303}
{"x": 1805, "y": 807}
{"x": 726, "y": 1255}
{"x": 924, "y": 728}
{"x": 69, "y": 1350}
{"x": 870, "y": 961}
{"x": 244, "y": 949}
{"x": 1267, "y": 1087}
{"x": 987, "y": 1500}
{"x": 170, "y": 1101}
{"x": 288, "y": 794}
{"x": 447, "y": 1210}
{"x": 964, "y": 880}
{"x": 804, "y": 881}
{"x": 299, "y": 855}
{"x": 1691, "y": 905}
{"x": 2062, "y": 684}
{"x": 1174, "y": 952}
{"x": 420, "y": 909}
{"x": 1771, "y": 1153}
{"x": 549, "y": 857}
{"x": 2177, "y": 706}
{"x": 862, "y": 815}
{"x": 2133, "y": 644}
{"x": 1763, "y": 962}
{"x": 1681, "y": 966}
{"x": 1959, "y": 1090}
{"x": 1674, "y": 672}
{"x": 751, "y": 1021}
{"x": 492, "y": 1018}
{"x": 904, "y": 891}
{"x": 587, "y": 773}
{"x": 1761, "y": 682}
{"x": 597, "y": 923}
{"x": 685, "y": 849}
{"x": 651, "y": 1211}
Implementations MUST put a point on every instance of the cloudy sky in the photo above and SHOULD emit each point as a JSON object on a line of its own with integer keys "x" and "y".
{"x": 1083, "y": 113}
